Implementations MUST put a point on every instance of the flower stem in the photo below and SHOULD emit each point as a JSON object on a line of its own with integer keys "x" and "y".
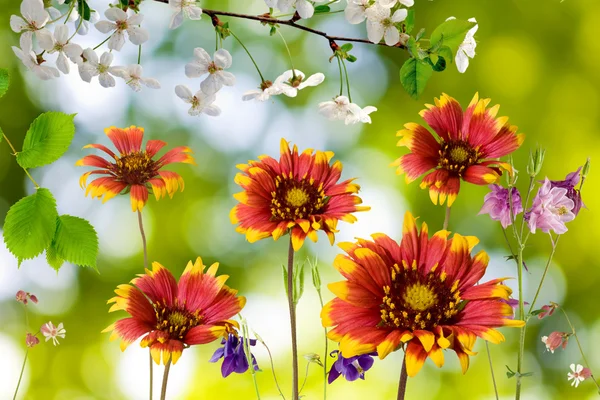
{"x": 446, "y": 218}
{"x": 272, "y": 367}
{"x": 403, "y": 380}
{"x": 249, "y": 55}
{"x": 341, "y": 76}
{"x": 104, "y": 41}
{"x": 141, "y": 225}
{"x": 487, "y": 347}
{"x": 163, "y": 392}
{"x": 292, "y": 307}
{"x": 248, "y": 353}
{"x": 326, "y": 350}
{"x": 539, "y": 289}
{"x": 305, "y": 377}
{"x": 151, "y": 374}
{"x": 21, "y": 375}
{"x": 289, "y": 54}
{"x": 347, "y": 80}
{"x": 139, "y": 54}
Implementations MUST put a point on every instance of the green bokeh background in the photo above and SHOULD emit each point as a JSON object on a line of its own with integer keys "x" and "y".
{"x": 537, "y": 58}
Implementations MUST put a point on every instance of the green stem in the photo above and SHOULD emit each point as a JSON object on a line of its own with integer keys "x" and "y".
{"x": 145, "y": 247}
{"x": 21, "y": 375}
{"x": 292, "y": 308}
{"x": 246, "y": 343}
{"x": 140, "y": 54}
{"x": 249, "y": 55}
{"x": 487, "y": 347}
{"x": 539, "y": 289}
{"x": 305, "y": 377}
{"x": 574, "y": 333}
{"x": 525, "y": 205}
{"x": 326, "y": 350}
{"x": 341, "y": 75}
{"x": 163, "y": 392}
{"x": 347, "y": 80}
{"x": 446, "y": 218}
{"x": 403, "y": 380}
{"x": 272, "y": 368}
{"x": 15, "y": 154}
{"x": 289, "y": 54}
{"x": 151, "y": 374}
{"x": 104, "y": 41}
{"x": 76, "y": 30}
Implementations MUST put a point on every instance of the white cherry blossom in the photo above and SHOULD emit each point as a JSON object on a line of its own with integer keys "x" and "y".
{"x": 118, "y": 24}
{"x": 356, "y": 11}
{"x": 290, "y": 85}
{"x": 392, "y": 3}
{"x": 97, "y": 67}
{"x": 34, "y": 18}
{"x": 133, "y": 77}
{"x": 304, "y": 7}
{"x": 184, "y": 8}
{"x": 201, "y": 103}
{"x": 31, "y": 61}
{"x": 266, "y": 90}
{"x": 217, "y": 77}
{"x": 60, "y": 43}
{"x": 84, "y": 28}
{"x": 381, "y": 24}
{"x": 466, "y": 49}
{"x": 340, "y": 108}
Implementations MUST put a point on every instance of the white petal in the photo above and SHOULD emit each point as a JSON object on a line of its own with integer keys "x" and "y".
{"x": 63, "y": 64}
{"x": 106, "y": 80}
{"x": 116, "y": 41}
{"x": 227, "y": 78}
{"x": 211, "y": 85}
{"x": 328, "y": 109}
{"x": 74, "y": 52}
{"x": 195, "y": 69}
{"x": 176, "y": 20}
{"x": 400, "y": 15}
{"x": 134, "y": 84}
{"x": 151, "y": 83}
{"x": 288, "y": 90}
{"x": 91, "y": 56}
{"x": 287, "y": 75}
{"x": 450, "y": 18}
{"x": 39, "y": 16}
{"x": 223, "y": 58}
{"x": 120, "y": 72}
{"x": 194, "y": 13}
{"x": 137, "y": 35}
{"x": 387, "y": 3}
{"x": 26, "y": 42}
{"x": 285, "y": 5}
{"x": 175, "y": 4}
{"x": 251, "y": 95}
{"x": 305, "y": 9}
{"x": 407, "y": 3}
{"x": 94, "y": 16}
{"x": 135, "y": 71}
{"x": 105, "y": 26}
{"x": 354, "y": 15}
{"x": 194, "y": 111}
{"x": 45, "y": 73}
{"x": 212, "y": 110}
{"x": 135, "y": 19}
{"x": 202, "y": 57}
{"x": 17, "y": 24}
{"x": 183, "y": 92}
{"x": 462, "y": 61}
{"x": 392, "y": 36}
{"x": 45, "y": 39}
{"x": 106, "y": 58}
{"x": 374, "y": 31}
{"x": 115, "y": 14}
{"x": 82, "y": 29}
{"x": 61, "y": 34}
{"x": 313, "y": 80}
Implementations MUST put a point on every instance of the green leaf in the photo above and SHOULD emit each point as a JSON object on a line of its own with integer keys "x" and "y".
{"x": 1, "y": 135}
{"x": 439, "y": 64}
{"x": 450, "y": 33}
{"x": 316, "y": 276}
{"x": 298, "y": 282}
{"x": 84, "y": 9}
{"x": 76, "y": 241}
{"x": 347, "y": 47}
{"x": 409, "y": 22}
{"x": 351, "y": 58}
{"x": 53, "y": 258}
{"x": 285, "y": 278}
{"x": 4, "y": 81}
{"x": 420, "y": 34}
{"x": 444, "y": 51}
{"x": 273, "y": 30}
{"x": 412, "y": 46}
{"x": 322, "y": 9}
{"x": 30, "y": 225}
{"x": 414, "y": 75}
{"x": 47, "y": 139}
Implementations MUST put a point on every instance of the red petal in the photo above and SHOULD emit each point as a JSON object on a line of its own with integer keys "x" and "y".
{"x": 445, "y": 117}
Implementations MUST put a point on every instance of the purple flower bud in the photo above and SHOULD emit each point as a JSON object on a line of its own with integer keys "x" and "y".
{"x": 551, "y": 209}
{"x": 497, "y": 204}
{"x": 233, "y": 355}
{"x": 351, "y": 368}
{"x": 569, "y": 183}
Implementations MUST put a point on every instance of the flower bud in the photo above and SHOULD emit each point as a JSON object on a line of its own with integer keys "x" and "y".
{"x": 536, "y": 160}
{"x": 556, "y": 340}
{"x": 586, "y": 169}
{"x": 31, "y": 340}
{"x": 313, "y": 358}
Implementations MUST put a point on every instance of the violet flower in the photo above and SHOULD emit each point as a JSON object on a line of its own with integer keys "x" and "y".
{"x": 551, "y": 209}
{"x": 569, "y": 183}
{"x": 234, "y": 357}
{"x": 497, "y": 205}
{"x": 351, "y": 368}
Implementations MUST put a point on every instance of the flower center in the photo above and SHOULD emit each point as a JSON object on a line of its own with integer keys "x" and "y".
{"x": 121, "y": 25}
{"x": 415, "y": 301}
{"x": 456, "y": 156}
{"x": 213, "y": 68}
{"x": 135, "y": 168}
{"x": 562, "y": 210}
{"x": 387, "y": 22}
{"x": 293, "y": 199}
{"x": 175, "y": 321}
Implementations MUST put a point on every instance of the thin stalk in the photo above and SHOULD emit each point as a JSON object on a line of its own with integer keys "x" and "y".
{"x": 326, "y": 351}
{"x": 403, "y": 380}
{"x": 539, "y": 289}
{"x": 104, "y": 41}
{"x": 305, "y": 377}
{"x": 151, "y": 374}
{"x": 248, "y": 353}
{"x": 139, "y": 54}
{"x": 292, "y": 307}
{"x": 525, "y": 205}
{"x": 487, "y": 347}
{"x": 341, "y": 76}
{"x": 446, "y": 218}
{"x": 145, "y": 247}
{"x": 272, "y": 368}
{"x": 76, "y": 30}
{"x": 163, "y": 392}
{"x": 289, "y": 54}
{"x": 21, "y": 375}
{"x": 14, "y": 153}
{"x": 347, "y": 80}
{"x": 249, "y": 55}
{"x": 574, "y": 333}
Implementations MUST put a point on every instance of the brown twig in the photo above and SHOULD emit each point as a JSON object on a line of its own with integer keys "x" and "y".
{"x": 265, "y": 18}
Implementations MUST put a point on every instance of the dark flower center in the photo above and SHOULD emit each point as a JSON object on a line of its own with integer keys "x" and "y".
{"x": 135, "y": 168}
{"x": 293, "y": 199}
{"x": 414, "y": 301}
{"x": 456, "y": 156}
{"x": 174, "y": 321}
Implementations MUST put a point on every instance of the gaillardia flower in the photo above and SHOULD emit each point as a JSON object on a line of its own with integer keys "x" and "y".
{"x": 299, "y": 193}
{"x": 172, "y": 315}
{"x": 421, "y": 294}
{"x": 133, "y": 170}
{"x": 467, "y": 146}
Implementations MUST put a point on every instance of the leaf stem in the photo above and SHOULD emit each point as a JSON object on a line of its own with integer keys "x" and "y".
{"x": 292, "y": 307}
{"x": 21, "y": 374}
{"x": 289, "y": 54}
{"x": 14, "y": 153}
{"x": 249, "y": 55}
{"x": 347, "y": 80}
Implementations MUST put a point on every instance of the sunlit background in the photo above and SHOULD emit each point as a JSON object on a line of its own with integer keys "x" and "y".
{"x": 536, "y": 58}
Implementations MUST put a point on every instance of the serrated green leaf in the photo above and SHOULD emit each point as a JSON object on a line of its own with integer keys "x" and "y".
{"x": 4, "y": 81}
{"x": 52, "y": 258}
{"x": 409, "y": 22}
{"x": 450, "y": 33}
{"x": 47, "y": 139}
{"x": 30, "y": 225}
{"x": 76, "y": 241}
{"x": 414, "y": 75}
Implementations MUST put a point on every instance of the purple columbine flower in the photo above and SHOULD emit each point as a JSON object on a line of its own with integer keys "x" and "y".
{"x": 497, "y": 205}
{"x": 569, "y": 183}
{"x": 551, "y": 209}
{"x": 351, "y": 368}
{"x": 234, "y": 357}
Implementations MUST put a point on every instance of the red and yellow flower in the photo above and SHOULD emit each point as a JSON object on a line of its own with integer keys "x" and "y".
{"x": 421, "y": 295}
{"x": 299, "y": 194}
{"x": 467, "y": 146}
{"x": 172, "y": 315}
{"x": 133, "y": 170}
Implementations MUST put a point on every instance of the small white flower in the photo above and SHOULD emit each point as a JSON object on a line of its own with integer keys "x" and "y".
{"x": 120, "y": 24}
{"x": 576, "y": 375}
{"x": 466, "y": 49}
{"x": 392, "y": 3}
{"x": 201, "y": 102}
{"x": 356, "y": 10}
{"x": 381, "y": 24}
{"x": 100, "y": 68}
{"x": 267, "y": 89}
{"x": 32, "y": 62}
{"x": 53, "y": 332}
{"x": 290, "y": 85}
{"x": 34, "y": 19}
{"x": 60, "y": 43}
{"x": 133, "y": 77}
{"x": 342, "y": 109}
{"x": 184, "y": 8}
{"x": 217, "y": 77}
{"x": 84, "y": 28}
{"x": 304, "y": 7}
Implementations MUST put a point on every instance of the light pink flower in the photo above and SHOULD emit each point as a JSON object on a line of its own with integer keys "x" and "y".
{"x": 53, "y": 332}
{"x": 31, "y": 340}
{"x": 551, "y": 209}
{"x": 24, "y": 297}
{"x": 556, "y": 340}
{"x": 578, "y": 374}
{"x": 548, "y": 310}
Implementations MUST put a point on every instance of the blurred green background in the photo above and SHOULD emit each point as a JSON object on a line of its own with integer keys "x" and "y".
{"x": 537, "y": 58}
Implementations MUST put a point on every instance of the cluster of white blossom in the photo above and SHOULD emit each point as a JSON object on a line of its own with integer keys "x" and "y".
{"x": 381, "y": 21}
{"x": 35, "y": 22}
